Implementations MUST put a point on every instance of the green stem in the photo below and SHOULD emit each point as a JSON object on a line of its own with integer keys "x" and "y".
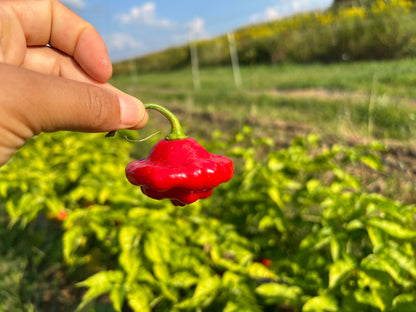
{"x": 176, "y": 132}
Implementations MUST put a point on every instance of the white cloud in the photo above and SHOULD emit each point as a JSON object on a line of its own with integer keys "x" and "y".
{"x": 144, "y": 14}
{"x": 287, "y": 8}
{"x": 75, "y": 4}
{"x": 196, "y": 28}
{"x": 121, "y": 41}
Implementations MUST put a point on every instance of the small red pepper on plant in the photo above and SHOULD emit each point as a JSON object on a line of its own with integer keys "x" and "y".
{"x": 62, "y": 214}
{"x": 266, "y": 262}
{"x": 179, "y": 168}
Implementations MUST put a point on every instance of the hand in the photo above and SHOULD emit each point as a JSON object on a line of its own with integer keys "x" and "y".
{"x": 53, "y": 69}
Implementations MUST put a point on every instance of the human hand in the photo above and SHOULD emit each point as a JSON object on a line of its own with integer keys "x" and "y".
{"x": 53, "y": 69}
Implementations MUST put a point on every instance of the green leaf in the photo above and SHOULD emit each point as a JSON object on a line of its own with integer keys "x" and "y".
{"x": 339, "y": 271}
{"x": 365, "y": 297}
{"x": 316, "y": 241}
{"x": 139, "y": 298}
{"x": 372, "y": 161}
{"x": 184, "y": 279}
{"x": 312, "y": 185}
{"x": 266, "y": 222}
{"x": 161, "y": 271}
{"x": 206, "y": 289}
{"x": 380, "y": 285}
{"x": 98, "y": 284}
{"x": 259, "y": 271}
{"x": 404, "y": 303}
{"x": 405, "y": 261}
{"x": 275, "y": 196}
{"x": 392, "y": 228}
{"x": 376, "y": 237}
{"x": 388, "y": 265}
{"x": 104, "y": 194}
{"x": 204, "y": 294}
{"x": 322, "y": 303}
{"x": 279, "y": 293}
{"x": 152, "y": 249}
{"x": 335, "y": 248}
{"x": 4, "y": 186}
{"x": 72, "y": 239}
{"x": 117, "y": 297}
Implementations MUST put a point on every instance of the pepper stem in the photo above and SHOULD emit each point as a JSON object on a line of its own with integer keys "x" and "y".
{"x": 176, "y": 132}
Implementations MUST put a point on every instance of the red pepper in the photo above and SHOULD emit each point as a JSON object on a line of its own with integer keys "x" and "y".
{"x": 266, "y": 262}
{"x": 179, "y": 168}
{"x": 61, "y": 216}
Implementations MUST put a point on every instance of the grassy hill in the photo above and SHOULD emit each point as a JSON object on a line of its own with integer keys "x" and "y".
{"x": 378, "y": 31}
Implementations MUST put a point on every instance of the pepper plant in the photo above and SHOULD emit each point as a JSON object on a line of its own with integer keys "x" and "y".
{"x": 294, "y": 229}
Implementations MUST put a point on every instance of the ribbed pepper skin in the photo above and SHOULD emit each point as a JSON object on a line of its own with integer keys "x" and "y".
{"x": 180, "y": 170}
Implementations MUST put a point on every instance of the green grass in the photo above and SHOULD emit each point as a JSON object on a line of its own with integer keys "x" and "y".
{"x": 363, "y": 99}
{"x": 394, "y": 77}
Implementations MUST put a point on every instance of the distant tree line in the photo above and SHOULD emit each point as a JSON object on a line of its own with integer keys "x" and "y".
{"x": 351, "y": 3}
{"x": 350, "y": 30}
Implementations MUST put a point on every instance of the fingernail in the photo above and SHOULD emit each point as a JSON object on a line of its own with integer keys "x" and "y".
{"x": 130, "y": 111}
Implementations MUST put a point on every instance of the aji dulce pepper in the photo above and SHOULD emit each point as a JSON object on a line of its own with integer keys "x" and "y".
{"x": 179, "y": 168}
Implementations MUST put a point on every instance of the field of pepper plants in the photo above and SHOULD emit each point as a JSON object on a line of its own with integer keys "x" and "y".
{"x": 319, "y": 215}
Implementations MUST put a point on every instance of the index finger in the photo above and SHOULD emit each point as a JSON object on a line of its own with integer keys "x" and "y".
{"x": 50, "y": 22}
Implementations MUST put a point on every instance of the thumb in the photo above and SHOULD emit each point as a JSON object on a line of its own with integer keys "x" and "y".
{"x": 49, "y": 103}
{"x": 34, "y": 102}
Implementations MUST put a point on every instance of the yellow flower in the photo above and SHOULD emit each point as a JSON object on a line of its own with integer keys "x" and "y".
{"x": 381, "y": 5}
{"x": 353, "y": 12}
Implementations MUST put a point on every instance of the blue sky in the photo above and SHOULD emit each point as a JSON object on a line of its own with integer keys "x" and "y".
{"x": 133, "y": 27}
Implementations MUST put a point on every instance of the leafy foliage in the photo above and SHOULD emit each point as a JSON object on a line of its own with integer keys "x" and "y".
{"x": 372, "y": 30}
{"x": 293, "y": 228}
